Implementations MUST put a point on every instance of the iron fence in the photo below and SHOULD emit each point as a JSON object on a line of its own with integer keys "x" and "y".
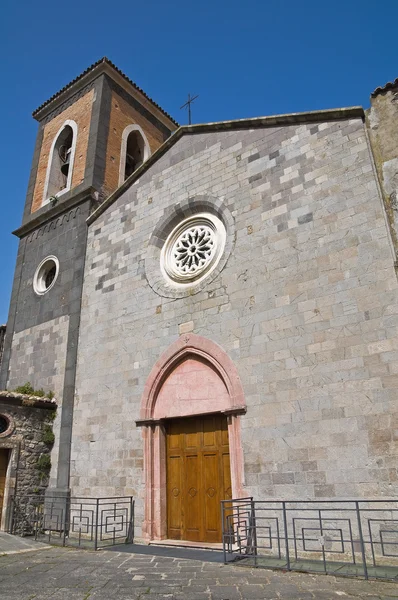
{"x": 353, "y": 538}
{"x": 82, "y": 522}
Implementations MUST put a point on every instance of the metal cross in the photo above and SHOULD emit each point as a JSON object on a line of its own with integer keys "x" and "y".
{"x": 188, "y": 105}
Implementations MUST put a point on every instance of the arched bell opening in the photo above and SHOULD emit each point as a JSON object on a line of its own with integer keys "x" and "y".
{"x": 60, "y": 163}
{"x": 135, "y": 151}
{"x": 194, "y": 385}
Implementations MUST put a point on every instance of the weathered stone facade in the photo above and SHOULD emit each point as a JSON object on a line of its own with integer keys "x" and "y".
{"x": 296, "y": 326}
{"x": 31, "y": 362}
{"x": 27, "y": 441}
{"x": 305, "y": 307}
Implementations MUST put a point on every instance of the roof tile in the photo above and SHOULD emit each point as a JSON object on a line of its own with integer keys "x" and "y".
{"x": 104, "y": 60}
{"x": 385, "y": 88}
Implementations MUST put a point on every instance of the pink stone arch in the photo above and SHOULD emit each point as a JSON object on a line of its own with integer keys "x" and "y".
{"x": 203, "y": 350}
{"x": 192, "y": 387}
{"x": 179, "y": 385}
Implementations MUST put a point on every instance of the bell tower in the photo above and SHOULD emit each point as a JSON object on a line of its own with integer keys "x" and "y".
{"x": 93, "y": 134}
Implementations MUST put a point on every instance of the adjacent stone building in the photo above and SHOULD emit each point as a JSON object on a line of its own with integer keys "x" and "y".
{"x": 26, "y": 440}
{"x": 214, "y": 306}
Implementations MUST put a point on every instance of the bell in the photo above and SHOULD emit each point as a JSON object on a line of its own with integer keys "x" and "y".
{"x": 65, "y": 166}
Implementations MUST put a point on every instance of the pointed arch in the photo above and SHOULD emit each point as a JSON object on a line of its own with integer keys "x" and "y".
{"x": 210, "y": 356}
{"x": 54, "y": 184}
{"x": 135, "y": 134}
{"x": 203, "y": 348}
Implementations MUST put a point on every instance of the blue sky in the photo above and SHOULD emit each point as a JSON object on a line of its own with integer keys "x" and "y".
{"x": 244, "y": 59}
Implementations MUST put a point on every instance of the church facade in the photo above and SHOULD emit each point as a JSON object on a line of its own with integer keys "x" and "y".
{"x": 214, "y": 306}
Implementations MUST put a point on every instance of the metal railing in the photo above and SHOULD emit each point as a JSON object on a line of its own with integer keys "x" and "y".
{"x": 82, "y": 522}
{"x": 343, "y": 537}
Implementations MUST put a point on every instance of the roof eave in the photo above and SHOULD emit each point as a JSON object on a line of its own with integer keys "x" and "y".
{"x": 390, "y": 85}
{"x": 138, "y": 94}
{"x": 18, "y": 399}
{"x": 104, "y": 66}
{"x": 74, "y": 86}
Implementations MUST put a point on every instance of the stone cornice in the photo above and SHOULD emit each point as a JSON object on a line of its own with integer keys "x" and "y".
{"x": 235, "y": 410}
{"x": 16, "y": 399}
{"x": 46, "y": 214}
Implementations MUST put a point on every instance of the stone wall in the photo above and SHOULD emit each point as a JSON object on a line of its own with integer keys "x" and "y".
{"x": 29, "y": 419}
{"x": 38, "y": 356}
{"x": 305, "y": 306}
{"x": 41, "y": 344}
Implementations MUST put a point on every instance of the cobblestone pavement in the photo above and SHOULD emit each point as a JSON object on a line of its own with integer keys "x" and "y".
{"x": 13, "y": 544}
{"x": 64, "y": 573}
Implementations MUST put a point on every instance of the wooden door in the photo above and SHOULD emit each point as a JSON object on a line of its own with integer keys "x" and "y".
{"x": 3, "y": 473}
{"x": 198, "y": 477}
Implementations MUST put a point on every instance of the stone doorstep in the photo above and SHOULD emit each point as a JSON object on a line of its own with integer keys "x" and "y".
{"x": 187, "y": 544}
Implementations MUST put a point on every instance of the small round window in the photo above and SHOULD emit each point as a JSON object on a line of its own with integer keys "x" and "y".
{"x": 4, "y": 424}
{"x": 46, "y": 275}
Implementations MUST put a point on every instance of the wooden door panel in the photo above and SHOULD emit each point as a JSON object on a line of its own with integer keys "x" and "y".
{"x": 174, "y": 496}
{"x": 192, "y": 440}
{"x": 198, "y": 467}
{"x": 192, "y": 434}
{"x": 209, "y": 432}
{"x": 211, "y": 480}
{"x": 174, "y": 441}
{"x": 176, "y": 435}
{"x": 192, "y": 498}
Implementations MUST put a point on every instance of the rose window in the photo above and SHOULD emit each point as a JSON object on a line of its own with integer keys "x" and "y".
{"x": 193, "y": 248}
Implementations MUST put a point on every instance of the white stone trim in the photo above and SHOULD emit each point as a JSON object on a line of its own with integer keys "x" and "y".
{"x": 73, "y": 126}
{"x": 40, "y": 274}
{"x": 123, "y": 150}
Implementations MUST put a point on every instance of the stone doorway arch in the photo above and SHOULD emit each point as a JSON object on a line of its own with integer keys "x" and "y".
{"x": 207, "y": 370}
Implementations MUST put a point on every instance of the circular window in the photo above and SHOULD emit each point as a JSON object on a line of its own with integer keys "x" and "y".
{"x": 46, "y": 275}
{"x": 193, "y": 249}
{"x": 4, "y": 424}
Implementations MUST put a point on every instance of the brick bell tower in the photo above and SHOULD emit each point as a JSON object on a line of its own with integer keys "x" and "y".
{"x": 93, "y": 134}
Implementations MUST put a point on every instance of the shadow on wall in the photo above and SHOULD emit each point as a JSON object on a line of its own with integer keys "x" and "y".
{"x": 2, "y": 336}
